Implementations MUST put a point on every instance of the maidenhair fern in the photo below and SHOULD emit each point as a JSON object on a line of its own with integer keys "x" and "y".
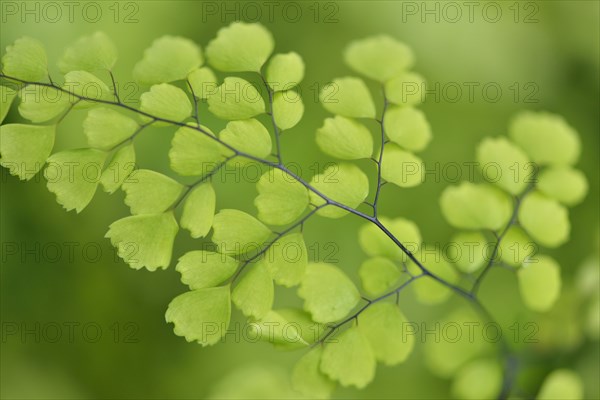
{"x": 343, "y": 331}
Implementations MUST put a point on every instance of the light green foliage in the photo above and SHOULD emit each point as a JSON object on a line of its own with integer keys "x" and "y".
{"x": 248, "y": 136}
{"x": 565, "y": 184}
{"x": 545, "y": 220}
{"x": 254, "y": 294}
{"x": 105, "y": 128}
{"x": 201, "y": 315}
{"x": 7, "y": 95}
{"x": 286, "y": 259}
{"x": 166, "y": 102}
{"x": 384, "y": 326}
{"x": 276, "y": 329}
{"x": 561, "y": 384}
{"x": 546, "y": 138}
{"x": 407, "y": 127}
{"x": 89, "y": 53}
{"x": 307, "y": 378}
{"x": 285, "y": 71}
{"x": 344, "y": 183}
{"x": 469, "y": 251}
{"x": 378, "y": 275}
{"x": 199, "y": 210}
{"x": 236, "y": 99}
{"x": 281, "y": 199}
{"x": 350, "y": 359}
{"x": 400, "y": 167}
{"x": 504, "y": 164}
{"x": 539, "y": 283}
{"x": 345, "y": 138}
{"x": 169, "y": 58}
{"x": 25, "y": 148}
{"x": 516, "y": 246}
{"x": 144, "y": 240}
{"x": 194, "y": 153}
{"x": 41, "y": 104}
{"x": 288, "y": 109}
{"x": 254, "y": 381}
{"x": 201, "y": 269}
{"x": 118, "y": 169}
{"x": 379, "y": 57}
{"x": 148, "y": 192}
{"x": 475, "y": 206}
{"x": 240, "y": 47}
{"x": 348, "y": 97}
{"x": 429, "y": 291}
{"x": 375, "y": 242}
{"x": 73, "y": 176}
{"x": 480, "y": 379}
{"x": 203, "y": 82}
{"x": 329, "y": 295}
{"x": 85, "y": 85}
{"x": 26, "y": 59}
{"x": 235, "y": 232}
{"x": 405, "y": 89}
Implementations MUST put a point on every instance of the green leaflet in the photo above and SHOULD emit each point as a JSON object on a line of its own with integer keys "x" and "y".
{"x": 539, "y": 283}
{"x": 405, "y": 89}
{"x": 407, "y": 127}
{"x": 344, "y": 183}
{"x": 307, "y": 378}
{"x": 255, "y": 292}
{"x": 285, "y": 71}
{"x": 561, "y": 384}
{"x": 375, "y": 242}
{"x": 89, "y": 53}
{"x": 7, "y": 95}
{"x": 144, "y": 240}
{"x": 169, "y": 58}
{"x": 286, "y": 259}
{"x": 288, "y": 109}
{"x": 26, "y": 59}
{"x": 276, "y": 329}
{"x": 119, "y": 168}
{"x": 516, "y": 246}
{"x": 235, "y": 99}
{"x": 82, "y": 84}
{"x": 469, "y": 251}
{"x": 41, "y": 103}
{"x": 345, "y": 138}
{"x": 384, "y": 326}
{"x": 148, "y": 192}
{"x": 199, "y": 210}
{"x": 203, "y": 82}
{"x": 310, "y": 330}
{"x": 348, "y": 97}
{"x": 201, "y": 315}
{"x": 475, "y": 206}
{"x": 106, "y": 128}
{"x": 378, "y": 275}
{"x": 545, "y": 220}
{"x": 240, "y": 47}
{"x": 203, "y": 269}
{"x": 349, "y": 360}
{"x": 567, "y": 185}
{"x": 504, "y": 164}
{"x": 25, "y": 148}
{"x": 235, "y": 232}
{"x": 329, "y": 295}
{"x": 194, "y": 153}
{"x": 429, "y": 291}
{"x": 379, "y": 57}
{"x": 546, "y": 138}
{"x": 248, "y": 136}
{"x": 166, "y": 102}
{"x": 73, "y": 176}
{"x": 401, "y": 168}
{"x": 281, "y": 199}
{"x": 479, "y": 379}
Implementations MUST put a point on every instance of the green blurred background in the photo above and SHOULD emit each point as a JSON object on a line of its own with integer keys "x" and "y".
{"x": 549, "y": 49}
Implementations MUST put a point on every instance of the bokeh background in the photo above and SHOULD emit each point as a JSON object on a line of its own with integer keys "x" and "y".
{"x": 63, "y": 273}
